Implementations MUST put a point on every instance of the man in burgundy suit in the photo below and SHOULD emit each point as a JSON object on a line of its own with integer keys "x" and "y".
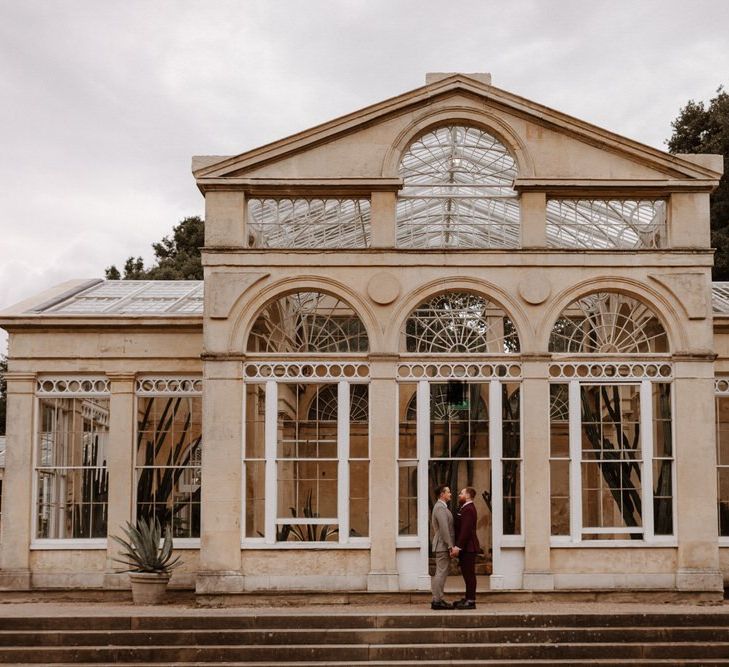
{"x": 467, "y": 546}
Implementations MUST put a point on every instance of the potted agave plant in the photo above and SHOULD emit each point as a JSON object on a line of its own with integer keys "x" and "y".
{"x": 150, "y": 564}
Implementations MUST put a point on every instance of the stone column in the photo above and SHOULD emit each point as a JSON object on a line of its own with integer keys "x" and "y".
{"x": 225, "y": 218}
{"x": 18, "y": 483}
{"x": 384, "y": 205}
{"x": 689, "y": 220}
{"x": 535, "y": 456}
{"x": 120, "y": 465}
{"x": 222, "y": 463}
{"x": 383, "y": 474}
{"x": 533, "y": 206}
{"x": 696, "y": 520}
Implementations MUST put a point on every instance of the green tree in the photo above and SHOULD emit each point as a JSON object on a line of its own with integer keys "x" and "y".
{"x": 705, "y": 129}
{"x": 177, "y": 256}
{"x": 3, "y": 392}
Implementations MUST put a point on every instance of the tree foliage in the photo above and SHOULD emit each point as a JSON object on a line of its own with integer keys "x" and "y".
{"x": 177, "y": 256}
{"x": 705, "y": 129}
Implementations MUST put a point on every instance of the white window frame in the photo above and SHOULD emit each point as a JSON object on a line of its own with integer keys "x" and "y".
{"x": 575, "y": 539}
{"x": 154, "y": 386}
{"x": 268, "y": 541}
{"x": 416, "y": 373}
{"x": 48, "y": 386}
{"x": 721, "y": 390}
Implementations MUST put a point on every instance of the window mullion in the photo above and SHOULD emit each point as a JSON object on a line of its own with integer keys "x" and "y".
{"x": 343, "y": 465}
{"x": 497, "y": 484}
{"x": 646, "y": 444}
{"x": 575, "y": 442}
{"x": 423, "y": 453}
{"x": 271, "y": 445}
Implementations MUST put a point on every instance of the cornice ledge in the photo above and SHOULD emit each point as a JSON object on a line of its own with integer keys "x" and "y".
{"x": 383, "y": 357}
{"x": 19, "y": 376}
{"x": 121, "y": 376}
{"x": 223, "y": 356}
{"x": 700, "y": 355}
{"x": 600, "y": 185}
{"x": 535, "y": 356}
{"x": 300, "y": 186}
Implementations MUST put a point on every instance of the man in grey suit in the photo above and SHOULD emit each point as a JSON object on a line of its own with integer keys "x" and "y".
{"x": 441, "y": 521}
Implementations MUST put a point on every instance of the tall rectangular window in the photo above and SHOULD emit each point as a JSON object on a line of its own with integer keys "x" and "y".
{"x": 559, "y": 458}
{"x": 71, "y": 467}
{"x": 407, "y": 460}
{"x": 611, "y": 461}
{"x": 359, "y": 463}
{"x": 511, "y": 457}
{"x": 306, "y": 462}
{"x": 255, "y": 460}
{"x": 168, "y": 461}
{"x": 722, "y": 459}
{"x": 662, "y": 459}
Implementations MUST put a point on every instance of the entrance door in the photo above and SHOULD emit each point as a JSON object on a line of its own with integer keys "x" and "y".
{"x": 466, "y": 434}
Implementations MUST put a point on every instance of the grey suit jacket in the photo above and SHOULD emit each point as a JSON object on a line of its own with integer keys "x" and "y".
{"x": 441, "y": 521}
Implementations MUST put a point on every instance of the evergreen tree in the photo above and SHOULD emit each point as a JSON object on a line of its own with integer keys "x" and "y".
{"x": 177, "y": 256}
{"x": 705, "y": 129}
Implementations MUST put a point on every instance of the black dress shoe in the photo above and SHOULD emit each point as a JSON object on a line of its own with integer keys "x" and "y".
{"x": 465, "y": 604}
{"x": 441, "y": 604}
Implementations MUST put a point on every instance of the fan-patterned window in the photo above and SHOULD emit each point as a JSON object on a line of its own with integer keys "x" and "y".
{"x": 460, "y": 322}
{"x": 308, "y": 322}
{"x": 608, "y": 323}
{"x": 458, "y": 192}
{"x": 324, "y": 405}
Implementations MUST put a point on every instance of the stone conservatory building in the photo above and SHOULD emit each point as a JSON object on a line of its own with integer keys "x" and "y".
{"x": 456, "y": 285}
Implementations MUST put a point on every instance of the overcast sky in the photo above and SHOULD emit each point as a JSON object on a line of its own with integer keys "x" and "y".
{"x": 103, "y": 103}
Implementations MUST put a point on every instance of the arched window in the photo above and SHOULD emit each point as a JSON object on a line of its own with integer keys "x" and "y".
{"x": 458, "y": 192}
{"x": 608, "y": 323}
{"x": 443, "y": 409}
{"x": 454, "y": 322}
{"x": 308, "y": 322}
{"x": 324, "y": 405}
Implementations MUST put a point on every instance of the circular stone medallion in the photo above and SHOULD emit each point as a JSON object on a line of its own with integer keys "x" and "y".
{"x": 383, "y": 288}
{"x": 535, "y": 287}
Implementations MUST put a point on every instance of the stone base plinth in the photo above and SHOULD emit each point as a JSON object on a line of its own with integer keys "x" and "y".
{"x": 538, "y": 581}
{"x": 15, "y": 580}
{"x": 699, "y": 580}
{"x": 219, "y": 583}
{"x": 383, "y": 581}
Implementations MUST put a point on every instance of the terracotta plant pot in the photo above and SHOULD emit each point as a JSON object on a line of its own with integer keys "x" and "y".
{"x": 148, "y": 587}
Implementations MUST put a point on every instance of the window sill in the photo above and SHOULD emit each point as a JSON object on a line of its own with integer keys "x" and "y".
{"x": 614, "y": 544}
{"x": 68, "y": 545}
{"x": 286, "y": 546}
{"x": 185, "y": 543}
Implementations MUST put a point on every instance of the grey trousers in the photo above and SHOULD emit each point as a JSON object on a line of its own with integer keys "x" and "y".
{"x": 437, "y": 581}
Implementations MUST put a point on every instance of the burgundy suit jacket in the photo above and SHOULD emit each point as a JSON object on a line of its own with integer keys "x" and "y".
{"x": 466, "y": 539}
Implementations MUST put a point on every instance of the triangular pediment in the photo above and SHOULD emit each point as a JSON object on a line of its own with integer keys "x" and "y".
{"x": 365, "y": 144}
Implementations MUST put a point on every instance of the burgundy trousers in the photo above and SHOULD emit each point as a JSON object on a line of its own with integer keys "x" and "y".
{"x": 467, "y": 562}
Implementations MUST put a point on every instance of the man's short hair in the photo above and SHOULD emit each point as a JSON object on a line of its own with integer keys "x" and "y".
{"x": 439, "y": 489}
{"x": 471, "y": 492}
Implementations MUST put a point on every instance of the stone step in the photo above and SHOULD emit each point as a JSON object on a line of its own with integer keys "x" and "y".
{"x": 422, "y": 636}
{"x": 424, "y": 619}
{"x": 351, "y": 653}
{"x": 687, "y": 662}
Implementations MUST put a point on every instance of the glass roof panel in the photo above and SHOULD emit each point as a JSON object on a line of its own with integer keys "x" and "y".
{"x": 720, "y": 297}
{"x": 138, "y": 297}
